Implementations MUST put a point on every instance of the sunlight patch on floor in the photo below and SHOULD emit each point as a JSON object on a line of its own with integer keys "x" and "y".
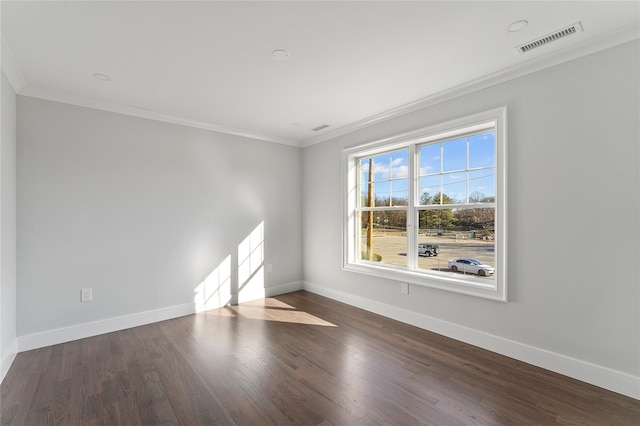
{"x": 270, "y": 309}
{"x": 268, "y": 302}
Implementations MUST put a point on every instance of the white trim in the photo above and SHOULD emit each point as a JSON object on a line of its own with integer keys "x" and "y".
{"x": 7, "y": 358}
{"x": 11, "y": 68}
{"x": 607, "y": 378}
{"x": 80, "y": 331}
{"x": 558, "y": 57}
{"x": 40, "y": 93}
{"x": 283, "y": 289}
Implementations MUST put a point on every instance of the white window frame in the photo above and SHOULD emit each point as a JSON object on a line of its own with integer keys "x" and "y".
{"x": 495, "y": 289}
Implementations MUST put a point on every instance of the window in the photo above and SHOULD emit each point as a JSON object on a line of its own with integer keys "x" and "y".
{"x": 429, "y": 207}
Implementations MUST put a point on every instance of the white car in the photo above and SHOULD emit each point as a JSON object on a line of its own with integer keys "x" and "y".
{"x": 471, "y": 266}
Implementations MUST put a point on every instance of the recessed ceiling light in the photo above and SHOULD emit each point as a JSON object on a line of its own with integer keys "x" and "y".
{"x": 280, "y": 55}
{"x": 517, "y": 26}
{"x": 102, "y": 77}
{"x": 295, "y": 124}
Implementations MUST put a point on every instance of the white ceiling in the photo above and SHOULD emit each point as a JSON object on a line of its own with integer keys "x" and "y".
{"x": 210, "y": 64}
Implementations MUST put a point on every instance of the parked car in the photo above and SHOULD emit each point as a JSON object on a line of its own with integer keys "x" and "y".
{"x": 471, "y": 266}
{"x": 425, "y": 249}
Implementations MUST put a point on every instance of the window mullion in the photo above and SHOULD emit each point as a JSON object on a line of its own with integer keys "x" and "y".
{"x": 391, "y": 180}
{"x": 356, "y": 222}
{"x": 467, "y": 171}
{"x": 412, "y": 212}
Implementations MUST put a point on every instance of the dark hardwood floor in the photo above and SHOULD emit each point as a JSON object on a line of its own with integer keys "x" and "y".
{"x": 294, "y": 359}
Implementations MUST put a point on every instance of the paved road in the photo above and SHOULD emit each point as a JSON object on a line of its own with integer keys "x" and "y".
{"x": 393, "y": 250}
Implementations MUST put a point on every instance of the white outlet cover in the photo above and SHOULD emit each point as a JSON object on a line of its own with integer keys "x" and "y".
{"x": 86, "y": 295}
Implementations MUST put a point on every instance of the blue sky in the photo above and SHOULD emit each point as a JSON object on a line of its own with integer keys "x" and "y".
{"x": 442, "y": 167}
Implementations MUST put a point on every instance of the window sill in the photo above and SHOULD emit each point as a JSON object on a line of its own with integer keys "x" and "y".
{"x": 469, "y": 285}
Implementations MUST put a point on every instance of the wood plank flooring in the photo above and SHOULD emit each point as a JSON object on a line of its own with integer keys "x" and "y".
{"x": 296, "y": 359}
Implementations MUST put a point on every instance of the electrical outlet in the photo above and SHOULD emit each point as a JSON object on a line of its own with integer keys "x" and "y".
{"x": 404, "y": 288}
{"x": 86, "y": 295}
{"x": 269, "y": 267}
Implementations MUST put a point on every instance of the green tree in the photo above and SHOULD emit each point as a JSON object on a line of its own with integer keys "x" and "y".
{"x": 440, "y": 198}
{"x": 440, "y": 219}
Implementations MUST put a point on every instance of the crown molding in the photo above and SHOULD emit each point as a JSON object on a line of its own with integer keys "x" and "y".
{"x": 10, "y": 67}
{"x": 558, "y": 57}
{"x": 40, "y": 93}
{"x": 624, "y": 35}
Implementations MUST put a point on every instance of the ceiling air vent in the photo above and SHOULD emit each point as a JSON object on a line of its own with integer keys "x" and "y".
{"x": 320, "y": 127}
{"x": 557, "y": 35}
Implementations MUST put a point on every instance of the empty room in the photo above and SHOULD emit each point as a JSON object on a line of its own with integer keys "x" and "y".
{"x": 320, "y": 213}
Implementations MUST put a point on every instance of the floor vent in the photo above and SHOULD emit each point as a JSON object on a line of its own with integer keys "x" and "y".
{"x": 557, "y": 35}
{"x": 321, "y": 127}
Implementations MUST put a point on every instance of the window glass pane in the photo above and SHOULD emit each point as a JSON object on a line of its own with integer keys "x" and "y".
{"x": 436, "y": 221}
{"x": 454, "y": 155}
{"x": 441, "y": 199}
{"x": 400, "y": 192}
{"x": 429, "y": 187}
{"x": 447, "y": 235}
{"x": 482, "y": 187}
{"x": 386, "y": 177}
{"x": 385, "y": 241}
{"x": 382, "y": 199}
{"x": 400, "y": 165}
{"x": 482, "y": 150}
{"x": 430, "y": 159}
{"x": 455, "y": 188}
{"x": 382, "y": 191}
{"x": 382, "y": 168}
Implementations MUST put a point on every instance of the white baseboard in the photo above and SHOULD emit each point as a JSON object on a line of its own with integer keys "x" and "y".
{"x": 604, "y": 377}
{"x": 283, "y": 289}
{"x": 613, "y": 380}
{"x": 80, "y": 331}
{"x": 7, "y": 358}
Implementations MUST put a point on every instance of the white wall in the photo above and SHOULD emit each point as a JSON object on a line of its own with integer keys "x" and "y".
{"x": 7, "y": 228}
{"x": 573, "y": 187}
{"x": 143, "y": 212}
